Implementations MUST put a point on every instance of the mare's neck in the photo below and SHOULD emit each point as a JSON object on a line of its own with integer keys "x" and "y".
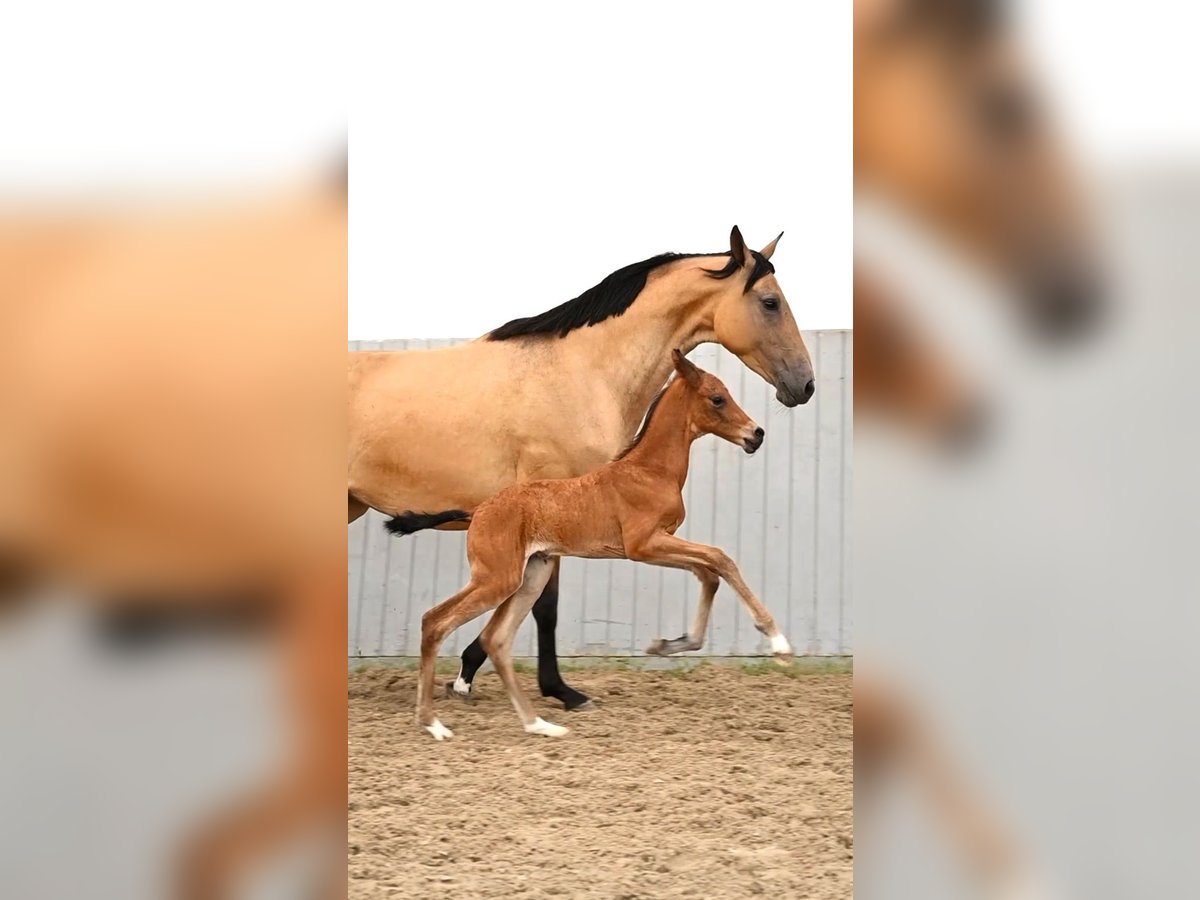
{"x": 666, "y": 445}
{"x": 629, "y": 356}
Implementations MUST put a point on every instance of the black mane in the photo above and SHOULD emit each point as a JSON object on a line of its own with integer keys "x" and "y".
{"x": 615, "y": 294}
{"x": 641, "y": 432}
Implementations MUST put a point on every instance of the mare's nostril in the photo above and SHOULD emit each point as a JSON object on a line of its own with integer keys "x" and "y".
{"x": 809, "y": 389}
{"x": 759, "y": 433}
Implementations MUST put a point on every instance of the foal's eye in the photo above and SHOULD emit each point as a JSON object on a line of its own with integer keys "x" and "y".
{"x": 717, "y": 400}
{"x": 771, "y": 303}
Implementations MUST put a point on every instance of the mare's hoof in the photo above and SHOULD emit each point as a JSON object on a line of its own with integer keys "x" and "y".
{"x": 455, "y": 689}
{"x": 541, "y": 726}
{"x": 439, "y": 731}
{"x": 571, "y": 698}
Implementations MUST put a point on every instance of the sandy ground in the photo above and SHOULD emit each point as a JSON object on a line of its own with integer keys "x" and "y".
{"x": 718, "y": 782}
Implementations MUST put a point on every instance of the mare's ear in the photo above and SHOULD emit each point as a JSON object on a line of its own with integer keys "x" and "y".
{"x": 737, "y": 248}
{"x": 687, "y": 371}
{"x": 770, "y": 248}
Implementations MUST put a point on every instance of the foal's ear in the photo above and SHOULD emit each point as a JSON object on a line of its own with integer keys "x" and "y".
{"x": 687, "y": 371}
{"x": 770, "y": 248}
{"x": 737, "y": 248}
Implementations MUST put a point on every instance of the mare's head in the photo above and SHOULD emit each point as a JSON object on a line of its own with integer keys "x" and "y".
{"x": 752, "y": 320}
{"x": 711, "y": 409}
{"x": 948, "y": 126}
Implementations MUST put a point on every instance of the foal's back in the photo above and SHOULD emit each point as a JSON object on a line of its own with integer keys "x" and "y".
{"x": 561, "y": 517}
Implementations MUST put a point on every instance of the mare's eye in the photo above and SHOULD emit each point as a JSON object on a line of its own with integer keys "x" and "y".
{"x": 771, "y": 303}
{"x": 717, "y": 400}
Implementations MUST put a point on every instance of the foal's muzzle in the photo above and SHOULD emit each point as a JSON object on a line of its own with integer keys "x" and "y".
{"x": 752, "y": 442}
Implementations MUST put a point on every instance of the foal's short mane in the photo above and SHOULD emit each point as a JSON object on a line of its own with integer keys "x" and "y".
{"x": 615, "y": 294}
{"x": 641, "y": 432}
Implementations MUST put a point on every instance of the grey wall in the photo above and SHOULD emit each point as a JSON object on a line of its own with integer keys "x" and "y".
{"x": 782, "y": 514}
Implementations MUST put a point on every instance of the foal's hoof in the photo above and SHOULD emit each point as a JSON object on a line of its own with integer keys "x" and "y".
{"x": 439, "y": 731}
{"x": 460, "y": 690}
{"x": 663, "y": 647}
{"x": 541, "y": 726}
{"x": 782, "y": 650}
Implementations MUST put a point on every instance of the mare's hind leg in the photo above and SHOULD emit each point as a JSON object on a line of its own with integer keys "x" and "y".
{"x": 480, "y": 595}
{"x": 497, "y": 639}
{"x": 550, "y": 680}
{"x": 694, "y": 639}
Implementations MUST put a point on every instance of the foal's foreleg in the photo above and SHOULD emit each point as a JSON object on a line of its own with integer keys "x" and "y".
{"x": 667, "y": 550}
{"x": 694, "y": 639}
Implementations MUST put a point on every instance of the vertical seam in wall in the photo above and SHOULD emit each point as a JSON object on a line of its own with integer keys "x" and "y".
{"x": 716, "y": 457}
{"x": 737, "y": 541}
{"x": 816, "y": 558}
{"x": 412, "y": 568}
{"x": 766, "y": 459}
{"x": 792, "y": 549}
{"x": 633, "y": 615}
{"x": 845, "y": 431}
{"x": 383, "y": 606}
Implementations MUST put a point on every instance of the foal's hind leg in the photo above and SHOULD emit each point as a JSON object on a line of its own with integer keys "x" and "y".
{"x": 497, "y": 640}
{"x": 550, "y": 680}
{"x": 480, "y": 595}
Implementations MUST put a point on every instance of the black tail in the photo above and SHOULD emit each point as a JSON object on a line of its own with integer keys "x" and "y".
{"x": 409, "y": 521}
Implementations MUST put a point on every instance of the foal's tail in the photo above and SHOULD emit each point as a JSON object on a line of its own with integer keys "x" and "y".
{"x": 408, "y": 522}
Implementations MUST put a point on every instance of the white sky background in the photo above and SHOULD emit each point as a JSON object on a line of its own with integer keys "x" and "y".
{"x": 505, "y": 157}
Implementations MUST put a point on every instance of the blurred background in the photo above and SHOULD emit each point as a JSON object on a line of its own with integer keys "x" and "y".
{"x": 1027, "y": 196}
{"x": 172, "y": 326}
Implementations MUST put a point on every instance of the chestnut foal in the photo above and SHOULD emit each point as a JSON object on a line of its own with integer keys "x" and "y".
{"x": 628, "y": 509}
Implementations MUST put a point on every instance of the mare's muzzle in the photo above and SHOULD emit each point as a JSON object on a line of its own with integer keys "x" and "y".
{"x": 795, "y": 386}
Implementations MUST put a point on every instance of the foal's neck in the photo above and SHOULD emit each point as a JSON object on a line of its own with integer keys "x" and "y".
{"x": 666, "y": 445}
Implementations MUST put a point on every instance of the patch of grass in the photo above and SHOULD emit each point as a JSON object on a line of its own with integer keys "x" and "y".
{"x": 681, "y": 672}
{"x": 804, "y": 666}
{"x": 682, "y": 667}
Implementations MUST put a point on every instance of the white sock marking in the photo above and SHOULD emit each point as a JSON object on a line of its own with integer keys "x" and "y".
{"x": 779, "y": 644}
{"x": 541, "y": 726}
{"x": 439, "y": 731}
{"x": 460, "y": 686}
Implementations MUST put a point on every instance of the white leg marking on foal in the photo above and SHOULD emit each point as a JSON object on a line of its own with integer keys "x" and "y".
{"x": 541, "y": 726}
{"x": 439, "y": 731}
{"x": 460, "y": 686}
{"x": 779, "y": 644}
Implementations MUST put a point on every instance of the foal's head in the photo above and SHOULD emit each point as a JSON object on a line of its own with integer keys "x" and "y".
{"x": 711, "y": 410}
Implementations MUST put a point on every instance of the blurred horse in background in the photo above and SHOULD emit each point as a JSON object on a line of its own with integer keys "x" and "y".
{"x": 172, "y": 410}
{"x": 949, "y": 132}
